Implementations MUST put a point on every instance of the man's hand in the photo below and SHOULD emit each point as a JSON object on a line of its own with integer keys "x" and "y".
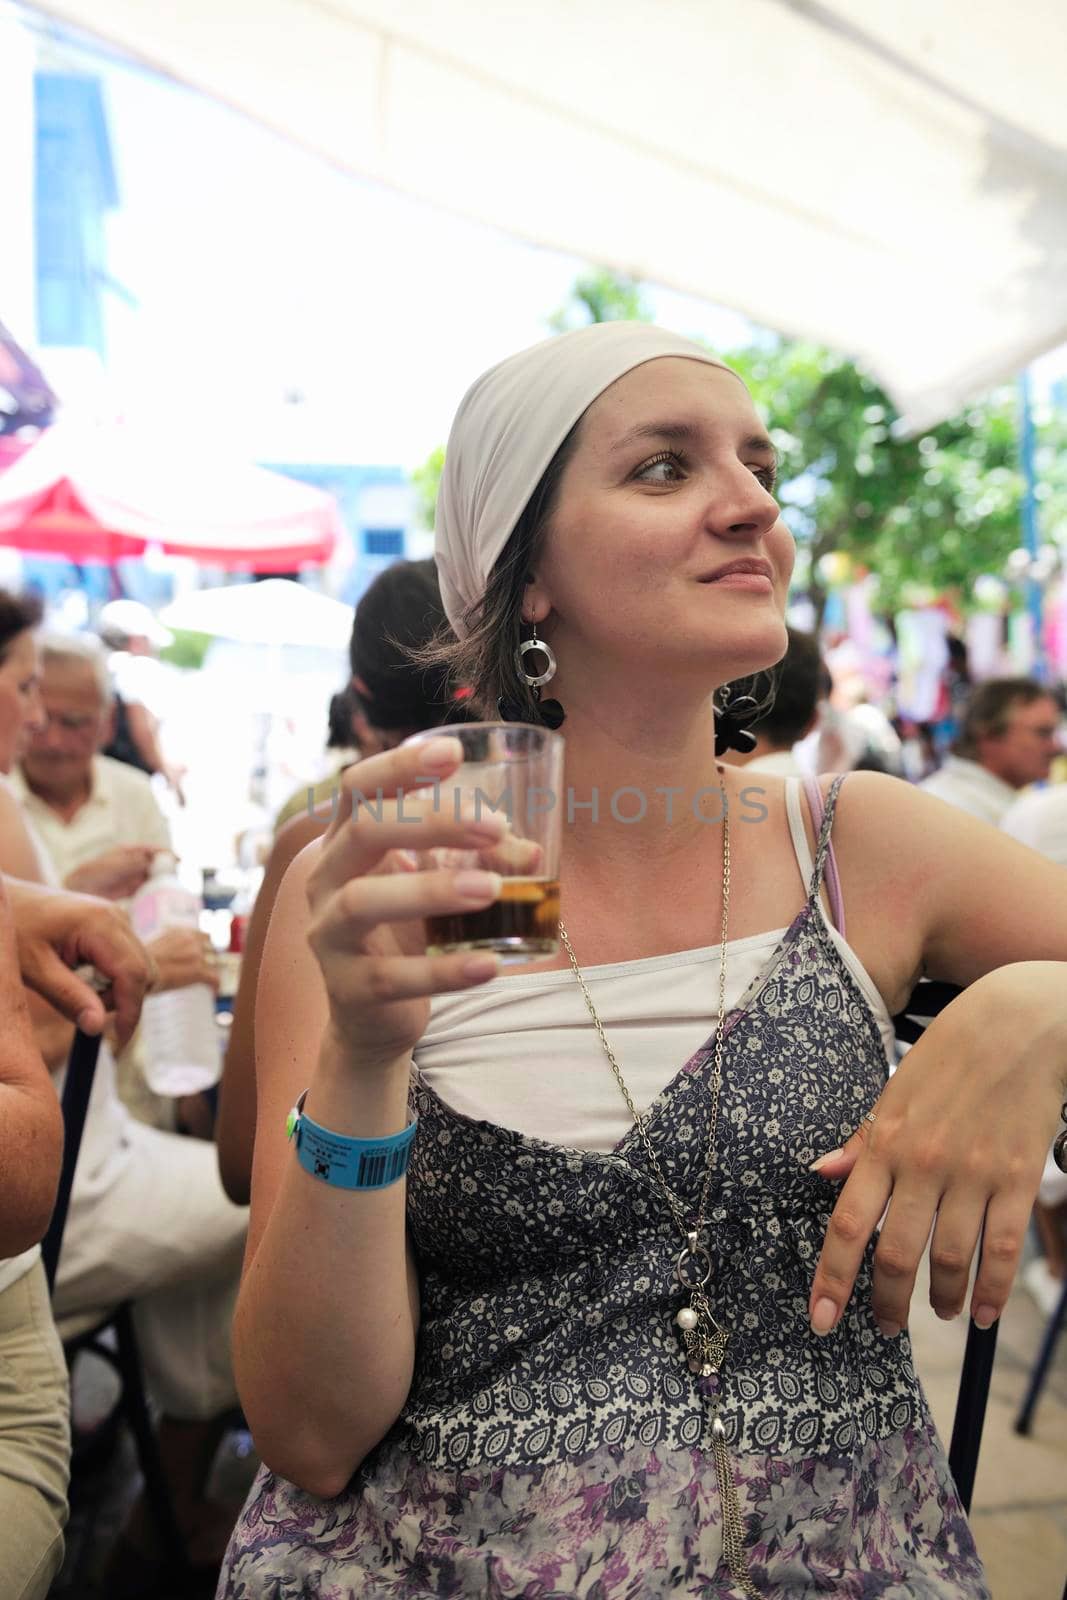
{"x": 183, "y": 956}
{"x": 116, "y": 874}
{"x": 55, "y": 932}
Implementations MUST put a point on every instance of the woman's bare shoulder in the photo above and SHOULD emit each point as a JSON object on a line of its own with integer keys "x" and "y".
{"x": 975, "y": 898}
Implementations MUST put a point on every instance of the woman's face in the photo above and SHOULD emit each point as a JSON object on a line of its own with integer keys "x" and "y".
{"x": 669, "y": 482}
{"x": 21, "y": 710}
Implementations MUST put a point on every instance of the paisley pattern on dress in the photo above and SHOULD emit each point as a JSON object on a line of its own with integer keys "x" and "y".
{"x": 554, "y": 1442}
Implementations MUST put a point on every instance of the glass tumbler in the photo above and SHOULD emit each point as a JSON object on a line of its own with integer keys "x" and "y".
{"x": 513, "y": 770}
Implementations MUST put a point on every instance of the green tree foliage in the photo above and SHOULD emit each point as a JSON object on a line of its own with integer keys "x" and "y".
{"x": 187, "y": 649}
{"x": 427, "y": 481}
{"x": 935, "y": 511}
{"x": 600, "y": 296}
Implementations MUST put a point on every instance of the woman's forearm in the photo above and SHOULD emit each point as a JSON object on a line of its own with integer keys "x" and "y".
{"x": 332, "y": 1282}
{"x": 31, "y": 1127}
{"x": 1036, "y": 992}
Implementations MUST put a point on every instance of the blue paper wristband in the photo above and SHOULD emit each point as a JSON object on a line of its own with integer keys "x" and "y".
{"x": 348, "y": 1163}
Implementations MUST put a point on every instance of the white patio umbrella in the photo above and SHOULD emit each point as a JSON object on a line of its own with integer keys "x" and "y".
{"x": 276, "y": 612}
{"x": 890, "y": 179}
{"x": 279, "y": 652}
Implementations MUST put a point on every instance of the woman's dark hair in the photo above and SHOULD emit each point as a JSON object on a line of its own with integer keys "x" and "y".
{"x": 486, "y": 657}
{"x": 798, "y": 679}
{"x": 339, "y": 735}
{"x": 17, "y": 613}
{"x": 398, "y": 616}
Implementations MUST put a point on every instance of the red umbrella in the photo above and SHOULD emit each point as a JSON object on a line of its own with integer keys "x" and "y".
{"x": 104, "y": 493}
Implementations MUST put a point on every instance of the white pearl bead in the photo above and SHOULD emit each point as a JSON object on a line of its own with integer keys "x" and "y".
{"x": 687, "y": 1318}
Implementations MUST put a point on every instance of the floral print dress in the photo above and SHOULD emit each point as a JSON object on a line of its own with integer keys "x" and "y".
{"x": 554, "y": 1444}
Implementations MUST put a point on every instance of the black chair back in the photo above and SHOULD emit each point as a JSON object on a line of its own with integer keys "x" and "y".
{"x": 971, "y": 1403}
{"x": 81, "y": 1070}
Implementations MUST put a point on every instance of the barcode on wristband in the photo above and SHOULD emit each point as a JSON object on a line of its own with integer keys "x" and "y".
{"x": 379, "y": 1167}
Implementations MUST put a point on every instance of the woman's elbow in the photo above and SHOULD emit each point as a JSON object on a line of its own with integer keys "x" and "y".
{"x": 234, "y": 1174}
{"x": 303, "y": 1462}
{"x": 235, "y": 1125}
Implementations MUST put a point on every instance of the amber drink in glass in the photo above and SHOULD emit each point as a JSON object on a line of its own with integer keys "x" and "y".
{"x": 513, "y": 770}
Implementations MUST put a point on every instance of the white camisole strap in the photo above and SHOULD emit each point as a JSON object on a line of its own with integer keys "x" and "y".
{"x": 801, "y": 848}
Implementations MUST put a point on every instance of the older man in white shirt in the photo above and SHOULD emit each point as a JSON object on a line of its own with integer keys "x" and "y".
{"x": 1008, "y": 739}
{"x": 98, "y": 818}
{"x": 101, "y": 826}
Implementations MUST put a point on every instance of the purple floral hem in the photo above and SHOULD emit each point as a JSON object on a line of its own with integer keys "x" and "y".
{"x": 883, "y": 1523}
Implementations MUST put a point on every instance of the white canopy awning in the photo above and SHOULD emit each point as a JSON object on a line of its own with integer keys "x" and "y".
{"x": 890, "y": 179}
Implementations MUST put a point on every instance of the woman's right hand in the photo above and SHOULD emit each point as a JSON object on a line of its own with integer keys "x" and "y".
{"x": 368, "y": 900}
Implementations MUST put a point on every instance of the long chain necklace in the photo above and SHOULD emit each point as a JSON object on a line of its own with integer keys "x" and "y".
{"x": 703, "y": 1340}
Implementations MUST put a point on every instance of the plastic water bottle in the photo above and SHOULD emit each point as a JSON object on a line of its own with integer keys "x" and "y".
{"x": 181, "y": 1048}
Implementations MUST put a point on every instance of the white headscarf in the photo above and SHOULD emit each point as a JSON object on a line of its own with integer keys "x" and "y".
{"x": 509, "y": 425}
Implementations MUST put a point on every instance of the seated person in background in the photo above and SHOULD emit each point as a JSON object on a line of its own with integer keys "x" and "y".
{"x": 98, "y": 818}
{"x": 148, "y": 1220}
{"x": 1009, "y": 736}
{"x": 101, "y": 826}
{"x": 793, "y": 713}
{"x": 34, "y": 1396}
{"x": 389, "y": 698}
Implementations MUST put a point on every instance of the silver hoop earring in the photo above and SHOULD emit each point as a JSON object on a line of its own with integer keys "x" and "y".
{"x": 534, "y": 681}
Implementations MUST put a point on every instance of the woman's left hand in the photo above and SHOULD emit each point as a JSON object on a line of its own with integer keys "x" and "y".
{"x": 958, "y": 1143}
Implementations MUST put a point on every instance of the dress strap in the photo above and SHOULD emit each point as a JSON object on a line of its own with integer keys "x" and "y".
{"x": 801, "y": 848}
{"x": 825, "y": 861}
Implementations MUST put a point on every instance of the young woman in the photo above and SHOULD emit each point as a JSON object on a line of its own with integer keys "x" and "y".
{"x": 576, "y": 1353}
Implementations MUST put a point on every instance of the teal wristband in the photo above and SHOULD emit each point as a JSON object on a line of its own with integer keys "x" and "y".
{"x": 348, "y": 1163}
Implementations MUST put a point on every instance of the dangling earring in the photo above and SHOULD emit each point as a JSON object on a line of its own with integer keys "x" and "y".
{"x": 550, "y": 711}
{"x": 539, "y": 647}
{"x": 732, "y": 719}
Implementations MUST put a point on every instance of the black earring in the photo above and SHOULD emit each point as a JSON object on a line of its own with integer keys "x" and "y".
{"x": 550, "y": 711}
{"x": 732, "y": 724}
